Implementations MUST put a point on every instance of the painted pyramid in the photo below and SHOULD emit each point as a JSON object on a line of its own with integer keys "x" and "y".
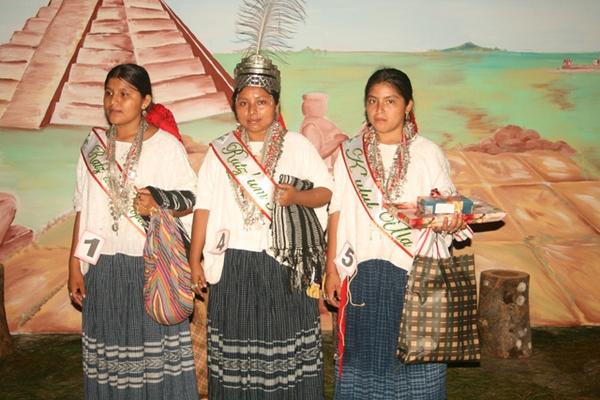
{"x": 52, "y": 71}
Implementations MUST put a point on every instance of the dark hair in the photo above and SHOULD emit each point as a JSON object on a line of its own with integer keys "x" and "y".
{"x": 236, "y": 93}
{"x": 398, "y": 79}
{"x": 134, "y": 74}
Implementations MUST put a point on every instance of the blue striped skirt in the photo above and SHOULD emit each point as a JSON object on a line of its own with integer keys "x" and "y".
{"x": 370, "y": 368}
{"x": 126, "y": 354}
{"x": 264, "y": 339}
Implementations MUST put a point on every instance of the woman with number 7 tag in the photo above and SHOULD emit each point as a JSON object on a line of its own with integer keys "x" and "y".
{"x": 126, "y": 353}
{"x": 370, "y": 250}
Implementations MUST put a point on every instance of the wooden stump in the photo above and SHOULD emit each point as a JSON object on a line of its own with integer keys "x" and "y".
{"x": 6, "y": 344}
{"x": 504, "y": 314}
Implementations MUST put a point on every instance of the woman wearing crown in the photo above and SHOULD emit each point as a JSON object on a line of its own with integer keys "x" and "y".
{"x": 261, "y": 242}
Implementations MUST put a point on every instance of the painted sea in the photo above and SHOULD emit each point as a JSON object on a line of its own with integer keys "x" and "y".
{"x": 460, "y": 96}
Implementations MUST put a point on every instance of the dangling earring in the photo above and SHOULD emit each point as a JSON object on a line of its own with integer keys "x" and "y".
{"x": 409, "y": 127}
{"x": 144, "y": 112}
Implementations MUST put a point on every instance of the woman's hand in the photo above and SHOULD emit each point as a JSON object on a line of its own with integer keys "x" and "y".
{"x": 144, "y": 203}
{"x": 332, "y": 286}
{"x": 285, "y": 195}
{"x": 75, "y": 283}
{"x": 196, "y": 247}
{"x": 456, "y": 224}
{"x": 332, "y": 290}
{"x": 199, "y": 284}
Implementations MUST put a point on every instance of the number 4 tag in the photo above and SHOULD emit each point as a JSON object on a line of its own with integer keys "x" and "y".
{"x": 222, "y": 242}
{"x": 346, "y": 259}
{"x": 89, "y": 247}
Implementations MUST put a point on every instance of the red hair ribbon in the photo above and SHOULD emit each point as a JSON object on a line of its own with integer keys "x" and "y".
{"x": 161, "y": 117}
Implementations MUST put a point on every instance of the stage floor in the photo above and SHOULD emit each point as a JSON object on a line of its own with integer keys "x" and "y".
{"x": 565, "y": 365}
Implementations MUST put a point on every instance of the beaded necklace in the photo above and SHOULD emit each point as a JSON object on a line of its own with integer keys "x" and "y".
{"x": 392, "y": 188}
{"x": 270, "y": 153}
{"x": 120, "y": 182}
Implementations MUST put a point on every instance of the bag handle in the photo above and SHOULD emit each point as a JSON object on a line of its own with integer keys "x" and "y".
{"x": 429, "y": 243}
{"x": 424, "y": 243}
{"x": 440, "y": 241}
{"x": 152, "y": 235}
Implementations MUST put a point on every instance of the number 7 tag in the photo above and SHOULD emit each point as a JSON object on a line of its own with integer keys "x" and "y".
{"x": 89, "y": 247}
{"x": 222, "y": 242}
{"x": 346, "y": 259}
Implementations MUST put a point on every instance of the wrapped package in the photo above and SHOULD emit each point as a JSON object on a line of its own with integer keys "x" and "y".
{"x": 444, "y": 205}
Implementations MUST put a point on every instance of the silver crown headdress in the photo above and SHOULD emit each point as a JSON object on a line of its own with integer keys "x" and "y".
{"x": 265, "y": 25}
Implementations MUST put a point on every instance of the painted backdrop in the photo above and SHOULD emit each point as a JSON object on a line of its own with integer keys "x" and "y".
{"x": 510, "y": 90}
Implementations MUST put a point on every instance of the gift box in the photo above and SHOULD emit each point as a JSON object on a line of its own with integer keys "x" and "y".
{"x": 428, "y": 205}
{"x": 481, "y": 212}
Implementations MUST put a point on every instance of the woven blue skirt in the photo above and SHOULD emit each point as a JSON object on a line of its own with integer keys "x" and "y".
{"x": 264, "y": 339}
{"x": 126, "y": 354}
{"x": 370, "y": 368}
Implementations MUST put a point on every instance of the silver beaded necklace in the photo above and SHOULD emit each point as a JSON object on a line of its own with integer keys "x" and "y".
{"x": 392, "y": 182}
{"x": 121, "y": 182}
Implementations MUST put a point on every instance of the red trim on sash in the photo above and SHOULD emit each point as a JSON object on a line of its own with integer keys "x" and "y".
{"x": 100, "y": 184}
{"x": 105, "y": 146}
{"x": 241, "y": 142}
{"x": 362, "y": 203}
{"x": 231, "y": 174}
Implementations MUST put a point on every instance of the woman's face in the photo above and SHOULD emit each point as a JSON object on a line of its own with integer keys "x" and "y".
{"x": 386, "y": 108}
{"x": 123, "y": 104}
{"x": 255, "y": 109}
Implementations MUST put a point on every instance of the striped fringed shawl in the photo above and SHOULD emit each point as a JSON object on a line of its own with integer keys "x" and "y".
{"x": 177, "y": 200}
{"x": 298, "y": 239}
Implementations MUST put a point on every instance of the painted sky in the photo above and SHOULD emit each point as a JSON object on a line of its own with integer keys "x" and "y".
{"x": 393, "y": 25}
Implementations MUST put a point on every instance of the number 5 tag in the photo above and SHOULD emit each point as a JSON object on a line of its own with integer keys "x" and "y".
{"x": 346, "y": 259}
{"x": 222, "y": 242}
{"x": 89, "y": 247}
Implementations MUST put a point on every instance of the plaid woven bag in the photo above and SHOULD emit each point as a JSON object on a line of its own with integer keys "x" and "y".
{"x": 168, "y": 297}
{"x": 439, "y": 318}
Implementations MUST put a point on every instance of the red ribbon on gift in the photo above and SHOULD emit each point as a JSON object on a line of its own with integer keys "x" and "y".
{"x": 435, "y": 193}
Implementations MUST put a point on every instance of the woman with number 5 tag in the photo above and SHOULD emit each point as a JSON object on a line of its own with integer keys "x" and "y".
{"x": 260, "y": 240}
{"x": 126, "y": 354}
{"x": 370, "y": 250}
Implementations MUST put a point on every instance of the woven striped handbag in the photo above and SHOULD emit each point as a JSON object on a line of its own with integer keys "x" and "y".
{"x": 168, "y": 297}
{"x": 439, "y": 318}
